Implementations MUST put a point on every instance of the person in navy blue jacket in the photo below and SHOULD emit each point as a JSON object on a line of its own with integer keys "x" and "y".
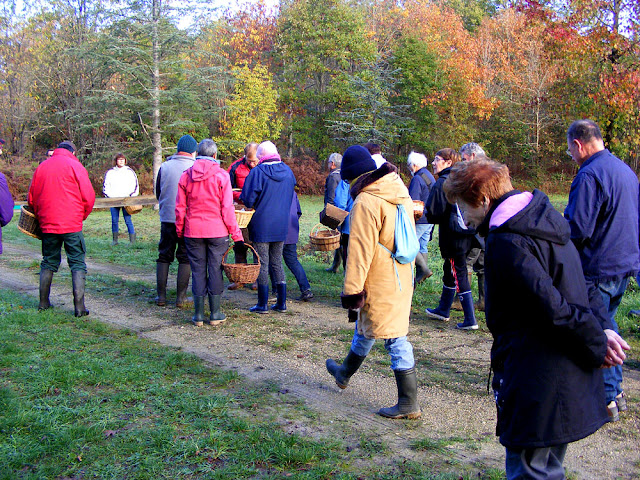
{"x": 603, "y": 216}
{"x": 269, "y": 189}
{"x": 550, "y": 334}
{"x": 419, "y": 189}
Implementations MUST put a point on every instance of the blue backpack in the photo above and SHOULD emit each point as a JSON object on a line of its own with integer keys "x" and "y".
{"x": 406, "y": 244}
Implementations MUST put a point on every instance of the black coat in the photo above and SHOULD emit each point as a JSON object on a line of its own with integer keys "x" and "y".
{"x": 452, "y": 240}
{"x": 548, "y": 345}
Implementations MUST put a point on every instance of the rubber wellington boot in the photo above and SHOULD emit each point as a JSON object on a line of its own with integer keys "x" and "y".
{"x": 441, "y": 312}
{"x": 422, "y": 269}
{"x": 115, "y": 238}
{"x": 184, "y": 274}
{"x": 216, "y": 317}
{"x": 78, "y": 279}
{"x": 342, "y": 373}
{"x": 263, "y": 298}
{"x": 337, "y": 259}
{"x": 407, "y": 406}
{"x": 466, "y": 299}
{"x": 162, "y": 272}
{"x": 480, "y": 302}
{"x": 281, "y": 298}
{"x": 46, "y": 276}
{"x": 198, "y": 307}
{"x": 132, "y": 238}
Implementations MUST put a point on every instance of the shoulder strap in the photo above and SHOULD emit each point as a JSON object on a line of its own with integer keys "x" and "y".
{"x": 426, "y": 179}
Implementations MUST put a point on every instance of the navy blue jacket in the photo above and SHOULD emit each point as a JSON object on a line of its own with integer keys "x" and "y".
{"x": 294, "y": 221}
{"x": 603, "y": 215}
{"x": 547, "y": 344}
{"x": 419, "y": 189}
{"x": 269, "y": 189}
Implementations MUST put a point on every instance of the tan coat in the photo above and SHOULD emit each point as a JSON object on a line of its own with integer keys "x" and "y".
{"x": 387, "y": 295}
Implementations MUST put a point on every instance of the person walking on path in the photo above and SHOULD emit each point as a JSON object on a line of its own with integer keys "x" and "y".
{"x": 547, "y": 359}
{"x": 419, "y": 189}
{"x": 121, "y": 181}
{"x": 6, "y": 205}
{"x": 330, "y": 185}
{"x": 269, "y": 189}
{"x": 455, "y": 242}
{"x": 377, "y": 290}
{"x": 603, "y": 215}
{"x": 171, "y": 246}
{"x": 62, "y": 197}
{"x": 238, "y": 172}
{"x": 205, "y": 218}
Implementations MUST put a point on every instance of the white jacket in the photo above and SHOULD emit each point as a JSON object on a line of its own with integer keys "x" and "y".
{"x": 120, "y": 182}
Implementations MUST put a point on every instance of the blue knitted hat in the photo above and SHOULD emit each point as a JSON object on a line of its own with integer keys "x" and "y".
{"x": 356, "y": 160}
{"x": 187, "y": 144}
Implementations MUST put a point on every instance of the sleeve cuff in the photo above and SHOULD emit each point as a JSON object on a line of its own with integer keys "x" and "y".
{"x": 354, "y": 301}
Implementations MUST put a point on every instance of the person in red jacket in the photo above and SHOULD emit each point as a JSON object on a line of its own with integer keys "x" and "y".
{"x": 205, "y": 217}
{"x": 238, "y": 172}
{"x": 62, "y": 197}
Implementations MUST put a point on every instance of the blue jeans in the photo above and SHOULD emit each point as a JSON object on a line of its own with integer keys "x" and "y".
{"x": 423, "y": 232}
{"x": 115, "y": 219}
{"x": 399, "y": 349}
{"x": 543, "y": 463}
{"x": 612, "y": 292}
{"x": 290, "y": 256}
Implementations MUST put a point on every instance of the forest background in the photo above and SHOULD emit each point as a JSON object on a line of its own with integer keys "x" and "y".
{"x": 315, "y": 76}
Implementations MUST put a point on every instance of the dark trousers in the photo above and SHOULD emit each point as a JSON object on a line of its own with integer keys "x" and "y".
{"x": 52, "y": 251}
{"x": 536, "y": 463}
{"x": 205, "y": 257}
{"x": 290, "y": 256}
{"x": 170, "y": 245}
{"x": 455, "y": 273}
{"x": 115, "y": 220}
{"x": 344, "y": 247}
{"x": 270, "y": 261}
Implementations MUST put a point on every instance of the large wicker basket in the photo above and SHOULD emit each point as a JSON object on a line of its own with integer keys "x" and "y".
{"x": 324, "y": 240}
{"x": 243, "y": 216}
{"x": 241, "y": 272}
{"x": 332, "y": 216}
{"x": 28, "y": 223}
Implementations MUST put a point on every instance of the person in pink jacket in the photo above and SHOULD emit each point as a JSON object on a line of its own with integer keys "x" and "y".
{"x": 205, "y": 217}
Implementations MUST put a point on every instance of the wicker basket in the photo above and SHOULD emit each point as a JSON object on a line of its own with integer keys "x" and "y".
{"x": 324, "y": 240}
{"x": 418, "y": 209}
{"x": 28, "y": 223}
{"x": 243, "y": 217}
{"x": 133, "y": 209}
{"x": 241, "y": 272}
{"x": 332, "y": 216}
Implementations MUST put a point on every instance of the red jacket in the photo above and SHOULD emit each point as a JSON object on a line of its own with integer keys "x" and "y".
{"x": 61, "y": 193}
{"x": 238, "y": 172}
{"x": 204, "y": 204}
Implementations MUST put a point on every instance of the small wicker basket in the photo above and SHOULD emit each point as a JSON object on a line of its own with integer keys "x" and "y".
{"x": 324, "y": 240}
{"x": 243, "y": 217}
{"x": 241, "y": 272}
{"x": 28, "y": 223}
{"x": 133, "y": 209}
{"x": 418, "y": 209}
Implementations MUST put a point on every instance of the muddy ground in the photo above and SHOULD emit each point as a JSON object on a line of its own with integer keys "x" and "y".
{"x": 290, "y": 350}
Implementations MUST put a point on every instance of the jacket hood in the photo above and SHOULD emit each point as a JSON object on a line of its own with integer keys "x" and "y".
{"x": 538, "y": 219}
{"x": 384, "y": 183}
{"x": 203, "y": 169}
{"x": 276, "y": 171}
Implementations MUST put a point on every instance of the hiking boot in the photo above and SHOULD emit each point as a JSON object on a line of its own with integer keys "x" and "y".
{"x": 612, "y": 410}
{"x": 184, "y": 275}
{"x": 263, "y": 298}
{"x": 466, "y": 299}
{"x": 115, "y": 239}
{"x": 162, "y": 273}
{"x": 78, "y": 279}
{"x": 198, "y": 307}
{"x": 46, "y": 276}
{"x": 441, "y": 312}
{"x": 281, "y": 298}
{"x": 216, "y": 317}
{"x": 342, "y": 373}
{"x": 305, "y": 296}
{"x": 407, "y": 406}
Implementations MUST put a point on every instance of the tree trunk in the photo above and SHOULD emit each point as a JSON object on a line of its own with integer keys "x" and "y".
{"x": 156, "y": 138}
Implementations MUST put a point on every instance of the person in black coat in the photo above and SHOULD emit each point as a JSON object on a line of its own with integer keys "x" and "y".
{"x": 455, "y": 243}
{"x": 551, "y": 334}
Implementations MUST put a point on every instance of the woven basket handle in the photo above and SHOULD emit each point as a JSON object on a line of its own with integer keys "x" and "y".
{"x": 247, "y": 245}
{"x": 315, "y": 229}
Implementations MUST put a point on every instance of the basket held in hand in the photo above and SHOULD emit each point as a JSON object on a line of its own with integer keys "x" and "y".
{"x": 28, "y": 223}
{"x": 241, "y": 272}
{"x": 324, "y": 240}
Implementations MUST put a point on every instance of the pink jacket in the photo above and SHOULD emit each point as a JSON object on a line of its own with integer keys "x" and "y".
{"x": 204, "y": 203}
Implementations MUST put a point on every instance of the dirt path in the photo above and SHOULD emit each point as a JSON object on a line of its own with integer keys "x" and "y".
{"x": 289, "y": 349}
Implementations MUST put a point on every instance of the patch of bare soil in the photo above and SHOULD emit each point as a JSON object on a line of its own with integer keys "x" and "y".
{"x": 290, "y": 350}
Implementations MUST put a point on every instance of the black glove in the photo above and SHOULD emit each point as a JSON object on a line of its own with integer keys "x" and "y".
{"x": 239, "y": 244}
{"x": 353, "y": 315}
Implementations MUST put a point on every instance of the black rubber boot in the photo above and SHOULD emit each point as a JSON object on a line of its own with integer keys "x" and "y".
{"x": 480, "y": 302}
{"x": 342, "y": 373}
{"x": 46, "y": 276}
{"x": 78, "y": 279}
{"x": 407, "y": 406}
{"x": 184, "y": 274}
{"x": 198, "y": 306}
{"x": 115, "y": 238}
{"x": 281, "y": 298}
{"x": 263, "y": 298}
{"x": 132, "y": 238}
{"x": 216, "y": 317}
{"x": 337, "y": 260}
{"x": 162, "y": 272}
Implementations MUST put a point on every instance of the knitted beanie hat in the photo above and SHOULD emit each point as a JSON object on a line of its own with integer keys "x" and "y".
{"x": 67, "y": 145}
{"x": 356, "y": 160}
{"x": 187, "y": 144}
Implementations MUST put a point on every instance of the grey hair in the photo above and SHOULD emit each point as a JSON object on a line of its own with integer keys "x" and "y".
{"x": 472, "y": 148}
{"x": 416, "y": 159}
{"x": 336, "y": 159}
{"x": 207, "y": 148}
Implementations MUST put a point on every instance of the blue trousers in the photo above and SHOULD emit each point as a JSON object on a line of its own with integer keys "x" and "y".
{"x": 290, "y": 256}
{"x": 536, "y": 463}
{"x": 423, "y": 232}
{"x": 115, "y": 219}
{"x": 399, "y": 349}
